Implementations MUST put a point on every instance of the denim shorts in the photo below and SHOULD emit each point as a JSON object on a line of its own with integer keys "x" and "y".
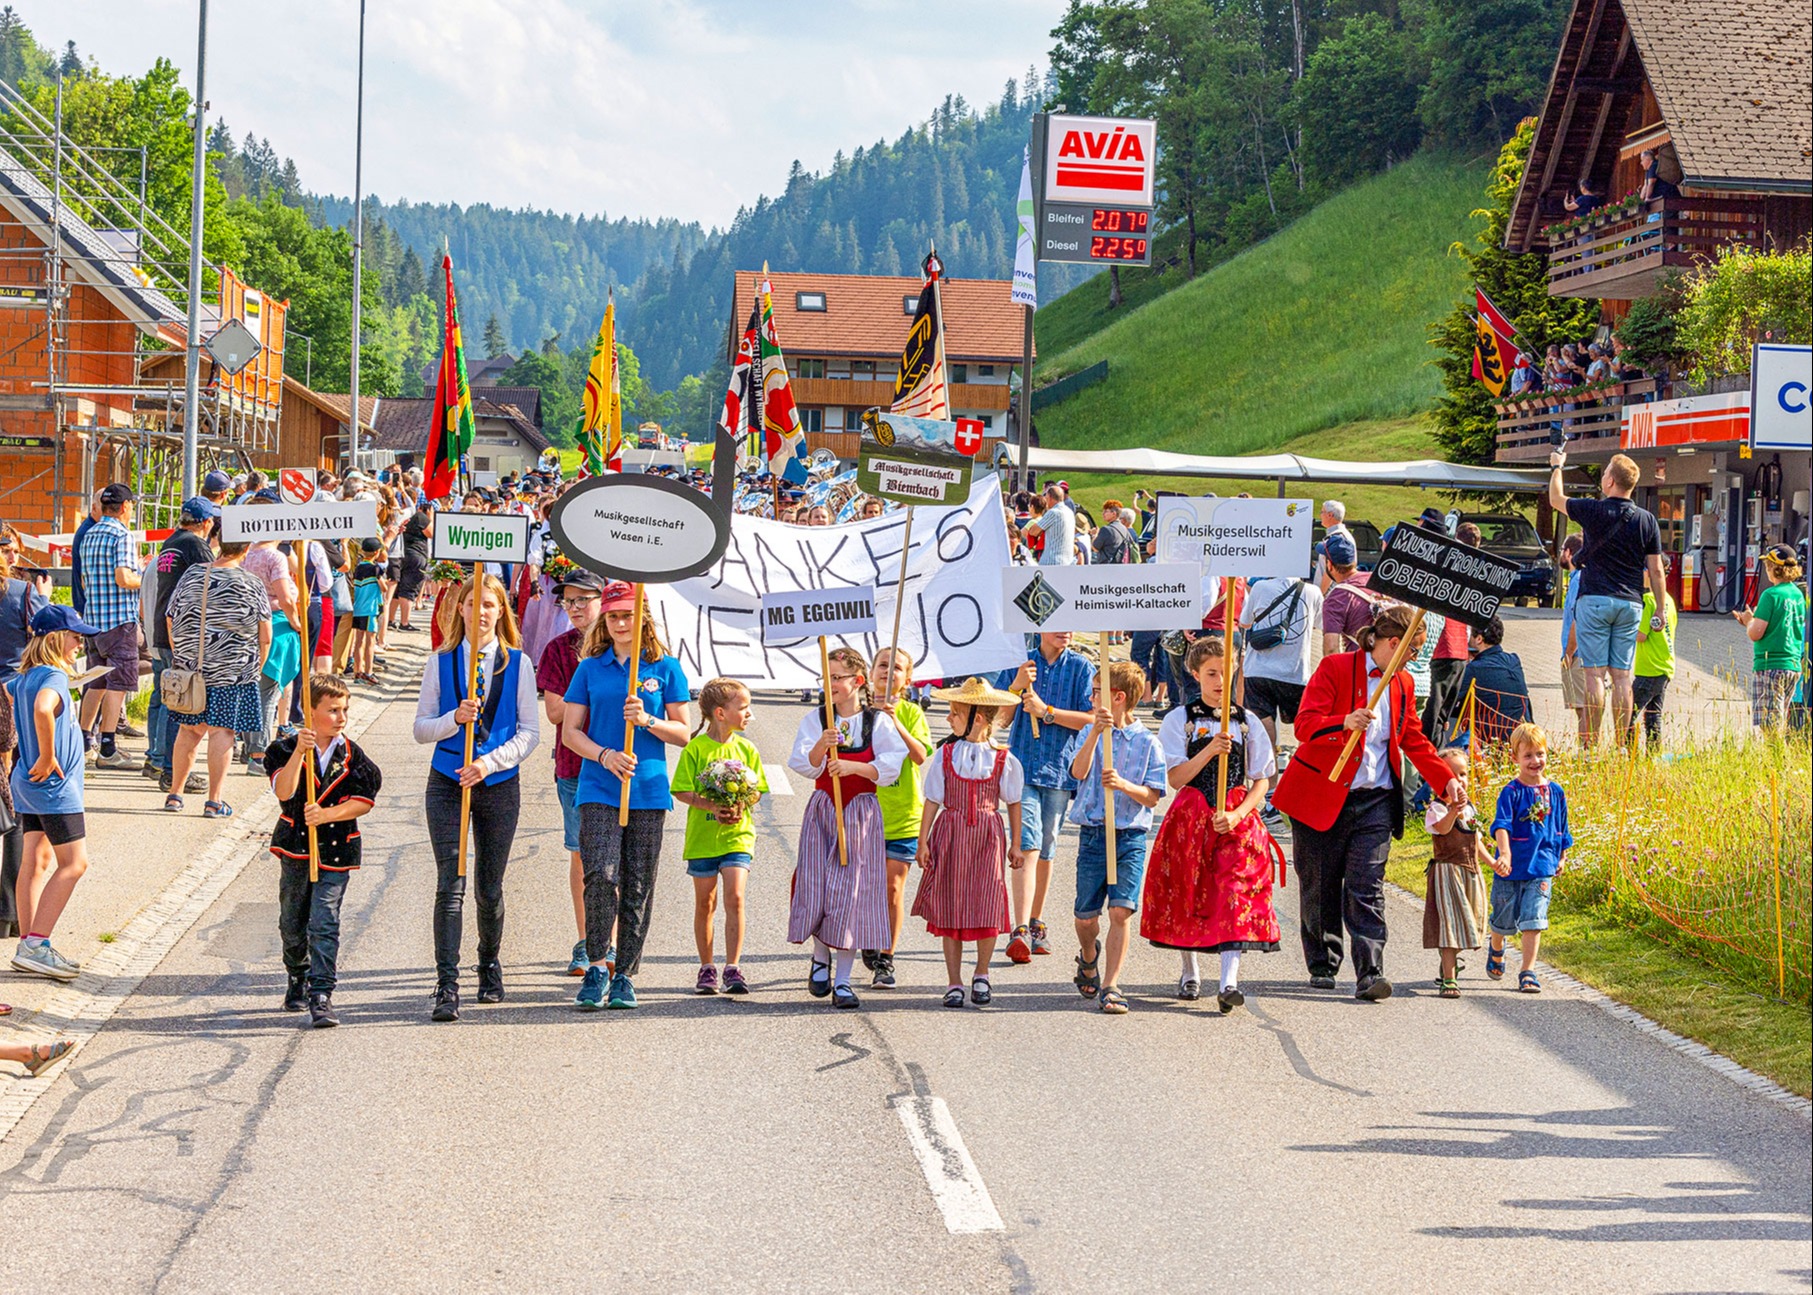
{"x": 1520, "y": 905}
{"x": 1092, "y": 890}
{"x": 904, "y": 849}
{"x": 717, "y": 863}
{"x": 568, "y": 791}
{"x": 1041, "y": 817}
{"x": 1605, "y": 631}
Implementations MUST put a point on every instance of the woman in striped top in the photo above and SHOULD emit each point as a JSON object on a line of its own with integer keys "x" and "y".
{"x": 238, "y": 638}
{"x": 963, "y": 891}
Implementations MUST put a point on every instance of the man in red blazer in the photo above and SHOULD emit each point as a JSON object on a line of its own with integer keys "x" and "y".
{"x": 1342, "y": 828}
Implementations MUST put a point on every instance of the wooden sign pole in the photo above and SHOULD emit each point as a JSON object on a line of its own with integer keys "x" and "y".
{"x": 629, "y": 727}
{"x": 1396, "y": 663}
{"x": 472, "y": 650}
{"x": 1227, "y": 686}
{"x": 837, "y": 786}
{"x": 906, "y": 547}
{"x": 1107, "y": 753}
{"x": 308, "y": 712}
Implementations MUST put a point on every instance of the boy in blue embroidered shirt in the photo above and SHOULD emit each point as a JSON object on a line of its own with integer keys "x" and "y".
{"x": 1531, "y": 830}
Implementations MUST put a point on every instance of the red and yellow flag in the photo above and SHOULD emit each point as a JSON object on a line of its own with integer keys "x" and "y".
{"x": 451, "y": 434}
{"x": 601, "y": 434}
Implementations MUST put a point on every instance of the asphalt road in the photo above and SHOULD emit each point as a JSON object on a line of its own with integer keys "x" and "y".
{"x": 203, "y": 1142}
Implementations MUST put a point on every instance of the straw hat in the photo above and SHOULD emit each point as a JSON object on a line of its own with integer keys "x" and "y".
{"x": 976, "y": 693}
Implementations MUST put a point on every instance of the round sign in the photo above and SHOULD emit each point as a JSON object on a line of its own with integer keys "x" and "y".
{"x": 639, "y": 528}
{"x": 296, "y": 485}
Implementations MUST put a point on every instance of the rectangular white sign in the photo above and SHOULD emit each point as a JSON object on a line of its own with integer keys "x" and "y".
{"x": 321, "y": 520}
{"x": 481, "y": 537}
{"x": 802, "y": 614}
{"x": 1100, "y": 160}
{"x": 1236, "y": 537}
{"x": 1155, "y": 596}
{"x": 1781, "y": 397}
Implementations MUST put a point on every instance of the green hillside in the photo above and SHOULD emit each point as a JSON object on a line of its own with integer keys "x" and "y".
{"x": 1323, "y": 324}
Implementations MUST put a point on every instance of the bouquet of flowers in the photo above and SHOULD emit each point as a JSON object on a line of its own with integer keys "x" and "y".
{"x": 729, "y": 784}
{"x": 448, "y": 573}
{"x": 1539, "y": 807}
{"x": 556, "y": 565}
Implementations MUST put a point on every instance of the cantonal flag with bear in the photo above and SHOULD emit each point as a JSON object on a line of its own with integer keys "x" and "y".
{"x": 783, "y": 440}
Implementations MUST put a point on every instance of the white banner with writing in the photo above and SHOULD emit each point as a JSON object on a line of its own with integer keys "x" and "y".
{"x": 1153, "y": 596}
{"x": 481, "y": 537}
{"x": 801, "y": 614}
{"x": 1236, "y": 537}
{"x": 355, "y": 519}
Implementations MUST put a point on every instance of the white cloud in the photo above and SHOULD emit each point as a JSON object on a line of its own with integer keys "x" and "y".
{"x": 686, "y": 108}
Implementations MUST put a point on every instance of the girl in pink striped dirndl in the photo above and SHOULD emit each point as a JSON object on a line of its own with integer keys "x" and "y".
{"x": 962, "y": 847}
{"x": 843, "y": 906}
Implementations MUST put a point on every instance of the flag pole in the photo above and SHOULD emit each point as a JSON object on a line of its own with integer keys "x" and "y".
{"x": 837, "y": 786}
{"x": 472, "y": 692}
{"x": 1107, "y": 754}
{"x": 308, "y": 717}
{"x": 1227, "y": 686}
{"x": 1396, "y": 663}
{"x": 629, "y": 726}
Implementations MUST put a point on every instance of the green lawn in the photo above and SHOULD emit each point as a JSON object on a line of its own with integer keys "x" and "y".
{"x": 1320, "y": 326}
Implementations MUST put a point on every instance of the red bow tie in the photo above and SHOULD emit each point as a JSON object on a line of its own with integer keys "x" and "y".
{"x": 1375, "y": 673}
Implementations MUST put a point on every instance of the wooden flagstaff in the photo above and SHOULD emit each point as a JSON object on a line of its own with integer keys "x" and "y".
{"x": 906, "y": 547}
{"x": 1107, "y": 752}
{"x": 472, "y": 650}
{"x": 629, "y": 726}
{"x": 1227, "y": 687}
{"x": 837, "y": 786}
{"x": 1396, "y": 663}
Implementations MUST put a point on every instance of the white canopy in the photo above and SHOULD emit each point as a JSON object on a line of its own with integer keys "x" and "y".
{"x": 1282, "y": 468}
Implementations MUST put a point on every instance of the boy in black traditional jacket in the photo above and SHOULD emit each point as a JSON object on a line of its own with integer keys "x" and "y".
{"x": 346, "y": 785}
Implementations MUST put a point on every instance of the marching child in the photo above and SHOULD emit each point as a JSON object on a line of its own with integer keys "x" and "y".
{"x": 1209, "y": 889}
{"x": 719, "y": 775}
{"x": 368, "y": 605}
{"x": 901, "y": 803}
{"x": 346, "y": 787}
{"x": 1454, "y": 894}
{"x": 47, "y": 787}
{"x": 1531, "y": 831}
{"x": 963, "y": 890}
{"x": 843, "y": 906}
{"x": 1138, "y": 784}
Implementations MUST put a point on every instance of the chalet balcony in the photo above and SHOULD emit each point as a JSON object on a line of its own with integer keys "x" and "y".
{"x": 859, "y": 393}
{"x": 1590, "y": 416}
{"x": 1620, "y": 250}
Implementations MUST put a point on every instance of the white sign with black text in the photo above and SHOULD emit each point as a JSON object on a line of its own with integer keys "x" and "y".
{"x": 801, "y": 614}
{"x": 481, "y": 537}
{"x": 1236, "y": 537}
{"x": 321, "y": 520}
{"x": 1153, "y": 596}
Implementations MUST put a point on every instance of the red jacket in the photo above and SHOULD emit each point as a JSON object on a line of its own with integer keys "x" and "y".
{"x": 1341, "y": 685}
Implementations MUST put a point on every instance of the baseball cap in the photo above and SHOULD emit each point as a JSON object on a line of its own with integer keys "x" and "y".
{"x": 1340, "y": 550}
{"x": 215, "y": 482}
{"x": 200, "y": 509}
{"x": 117, "y": 493}
{"x": 56, "y": 616}
{"x": 1780, "y": 553}
{"x": 617, "y": 595}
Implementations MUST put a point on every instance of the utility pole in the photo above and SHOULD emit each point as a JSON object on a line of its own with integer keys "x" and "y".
{"x": 1037, "y": 161}
{"x": 192, "y": 364}
{"x": 352, "y": 457}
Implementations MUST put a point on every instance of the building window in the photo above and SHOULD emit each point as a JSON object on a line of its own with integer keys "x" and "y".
{"x": 812, "y": 420}
{"x": 987, "y": 420}
{"x": 985, "y": 370}
{"x": 853, "y": 419}
{"x": 909, "y": 305}
{"x": 809, "y": 368}
{"x": 834, "y": 418}
{"x": 959, "y": 373}
{"x": 809, "y": 301}
{"x": 862, "y": 370}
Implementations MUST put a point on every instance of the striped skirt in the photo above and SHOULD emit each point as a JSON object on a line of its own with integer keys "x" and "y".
{"x": 962, "y": 892}
{"x": 1454, "y": 906}
{"x": 845, "y": 906}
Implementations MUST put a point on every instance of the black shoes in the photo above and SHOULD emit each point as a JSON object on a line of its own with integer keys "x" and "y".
{"x": 1230, "y": 998}
{"x": 446, "y": 1004}
{"x": 295, "y": 998}
{"x": 870, "y": 957}
{"x": 844, "y": 996}
{"x": 1373, "y": 989}
{"x": 818, "y": 980}
{"x": 490, "y": 982}
{"x": 321, "y": 1013}
{"x": 1320, "y": 981}
{"x": 884, "y": 972}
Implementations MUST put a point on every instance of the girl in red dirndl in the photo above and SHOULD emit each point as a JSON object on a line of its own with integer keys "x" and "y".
{"x": 963, "y": 891}
{"x": 1209, "y": 888}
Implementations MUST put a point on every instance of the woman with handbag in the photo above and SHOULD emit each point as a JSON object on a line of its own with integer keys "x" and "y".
{"x": 220, "y": 632}
{"x": 19, "y": 600}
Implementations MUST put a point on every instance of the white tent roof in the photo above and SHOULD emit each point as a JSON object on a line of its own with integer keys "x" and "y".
{"x": 1283, "y": 468}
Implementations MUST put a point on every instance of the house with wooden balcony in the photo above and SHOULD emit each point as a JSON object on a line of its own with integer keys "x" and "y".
{"x": 842, "y": 335}
{"x": 1719, "y": 100}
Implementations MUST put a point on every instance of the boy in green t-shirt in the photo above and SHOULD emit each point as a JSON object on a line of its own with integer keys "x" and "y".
{"x": 1654, "y": 667}
{"x": 720, "y": 836}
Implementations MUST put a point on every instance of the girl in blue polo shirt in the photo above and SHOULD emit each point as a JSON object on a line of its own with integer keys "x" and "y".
{"x": 507, "y": 728}
{"x": 619, "y": 861}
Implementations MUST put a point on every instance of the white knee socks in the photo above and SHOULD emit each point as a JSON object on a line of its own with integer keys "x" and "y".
{"x": 1192, "y": 970}
{"x": 846, "y": 958}
{"x": 1230, "y": 968}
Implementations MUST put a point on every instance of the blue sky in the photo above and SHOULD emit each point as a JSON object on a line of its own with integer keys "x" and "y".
{"x": 684, "y": 108}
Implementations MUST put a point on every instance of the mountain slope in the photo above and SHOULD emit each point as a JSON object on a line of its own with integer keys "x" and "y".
{"x": 1322, "y": 324}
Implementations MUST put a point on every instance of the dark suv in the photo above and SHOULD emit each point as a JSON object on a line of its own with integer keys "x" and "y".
{"x": 1510, "y": 536}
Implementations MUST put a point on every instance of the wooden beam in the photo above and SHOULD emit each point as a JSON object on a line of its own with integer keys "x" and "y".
{"x": 1608, "y": 85}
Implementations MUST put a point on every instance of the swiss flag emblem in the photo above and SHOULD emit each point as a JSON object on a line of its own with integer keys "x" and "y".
{"x": 969, "y": 437}
{"x": 296, "y": 485}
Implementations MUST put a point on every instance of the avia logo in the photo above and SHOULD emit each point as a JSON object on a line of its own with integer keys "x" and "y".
{"x": 1109, "y": 159}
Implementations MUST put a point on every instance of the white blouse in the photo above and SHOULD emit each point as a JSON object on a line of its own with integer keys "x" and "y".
{"x": 975, "y": 761}
{"x": 890, "y": 750}
{"x": 1174, "y": 741}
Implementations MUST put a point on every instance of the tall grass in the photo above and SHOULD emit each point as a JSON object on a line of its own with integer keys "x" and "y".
{"x": 1321, "y": 325}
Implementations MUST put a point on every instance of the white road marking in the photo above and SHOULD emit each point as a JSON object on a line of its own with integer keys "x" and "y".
{"x": 778, "y": 782}
{"x": 957, "y": 1186}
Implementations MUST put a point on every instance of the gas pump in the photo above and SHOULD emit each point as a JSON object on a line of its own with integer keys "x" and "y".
{"x": 1723, "y": 539}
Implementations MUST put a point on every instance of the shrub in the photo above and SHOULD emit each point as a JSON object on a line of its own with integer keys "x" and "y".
{"x": 1742, "y": 298}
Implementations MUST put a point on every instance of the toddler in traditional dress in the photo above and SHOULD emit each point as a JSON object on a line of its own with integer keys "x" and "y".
{"x": 1454, "y": 894}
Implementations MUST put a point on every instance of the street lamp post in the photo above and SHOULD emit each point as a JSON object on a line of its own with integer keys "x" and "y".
{"x": 352, "y": 458}
{"x": 192, "y": 362}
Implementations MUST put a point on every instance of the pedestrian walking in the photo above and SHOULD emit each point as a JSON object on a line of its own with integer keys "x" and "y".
{"x": 1531, "y": 831}
{"x": 580, "y": 594}
{"x": 1777, "y": 628}
{"x": 1653, "y": 667}
{"x": 220, "y": 626}
{"x": 1454, "y": 889}
{"x": 902, "y": 801}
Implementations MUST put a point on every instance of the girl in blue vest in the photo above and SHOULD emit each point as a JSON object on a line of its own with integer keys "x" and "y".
{"x": 507, "y": 728}
{"x": 619, "y": 861}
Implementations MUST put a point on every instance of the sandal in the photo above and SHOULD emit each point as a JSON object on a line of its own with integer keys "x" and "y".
{"x": 1113, "y": 1001}
{"x": 216, "y": 809}
{"x": 1447, "y": 987}
{"x": 1087, "y": 979}
{"x": 953, "y": 997}
{"x": 1495, "y": 964}
{"x": 46, "y": 1055}
{"x": 173, "y": 803}
{"x": 1527, "y": 983}
{"x": 980, "y": 993}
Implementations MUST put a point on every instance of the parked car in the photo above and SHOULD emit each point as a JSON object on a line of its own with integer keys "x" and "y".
{"x": 1366, "y": 541}
{"x": 1510, "y": 536}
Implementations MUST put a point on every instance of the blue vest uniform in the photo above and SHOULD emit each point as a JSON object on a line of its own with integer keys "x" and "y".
{"x": 497, "y": 717}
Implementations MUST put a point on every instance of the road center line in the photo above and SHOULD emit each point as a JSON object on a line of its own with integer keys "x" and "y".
{"x": 957, "y": 1186}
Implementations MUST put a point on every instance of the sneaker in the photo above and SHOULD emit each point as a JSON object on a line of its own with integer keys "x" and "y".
{"x": 591, "y": 991}
{"x": 295, "y": 997}
{"x": 1041, "y": 938}
{"x": 623, "y": 994}
{"x": 151, "y": 771}
{"x": 195, "y": 784}
{"x": 707, "y": 983}
{"x": 1019, "y": 949}
{"x": 42, "y": 960}
{"x": 321, "y": 1014}
{"x": 734, "y": 982}
{"x": 884, "y": 972}
{"x": 128, "y": 729}
{"x": 870, "y": 957}
{"x": 610, "y": 958}
{"x": 255, "y": 767}
{"x": 580, "y": 963}
{"x": 118, "y": 760}
{"x": 446, "y": 1004}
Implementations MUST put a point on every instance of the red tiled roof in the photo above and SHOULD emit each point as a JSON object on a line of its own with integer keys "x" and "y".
{"x": 338, "y": 402}
{"x": 863, "y": 316}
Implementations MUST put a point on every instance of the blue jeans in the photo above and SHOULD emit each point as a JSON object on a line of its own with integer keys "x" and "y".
{"x": 160, "y": 732}
{"x": 1149, "y": 655}
{"x": 1042, "y": 817}
{"x": 1093, "y": 893}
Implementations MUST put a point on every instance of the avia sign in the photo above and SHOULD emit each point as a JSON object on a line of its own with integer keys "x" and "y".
{"x": 1100, "y": 159}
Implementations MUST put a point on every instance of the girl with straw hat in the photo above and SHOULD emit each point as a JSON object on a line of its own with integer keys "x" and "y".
{"x": 962, "y": 845}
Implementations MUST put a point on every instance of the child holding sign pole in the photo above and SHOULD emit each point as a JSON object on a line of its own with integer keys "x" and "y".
{"x": 841, "y": 903}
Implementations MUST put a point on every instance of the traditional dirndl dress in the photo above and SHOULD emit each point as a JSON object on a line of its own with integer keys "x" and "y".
{"x": 1207, "y": 892}
{"x": 543, "y": 618}
{"x": 963, "y": 891}
{"x": 1455, "y": 899}
{"x": 846, "y": 906}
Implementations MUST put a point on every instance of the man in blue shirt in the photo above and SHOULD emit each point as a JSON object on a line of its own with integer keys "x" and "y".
{"x": 1058, "y": 685}
{"x": 111, "y": 575}
{"x": 1573, "y": 677}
